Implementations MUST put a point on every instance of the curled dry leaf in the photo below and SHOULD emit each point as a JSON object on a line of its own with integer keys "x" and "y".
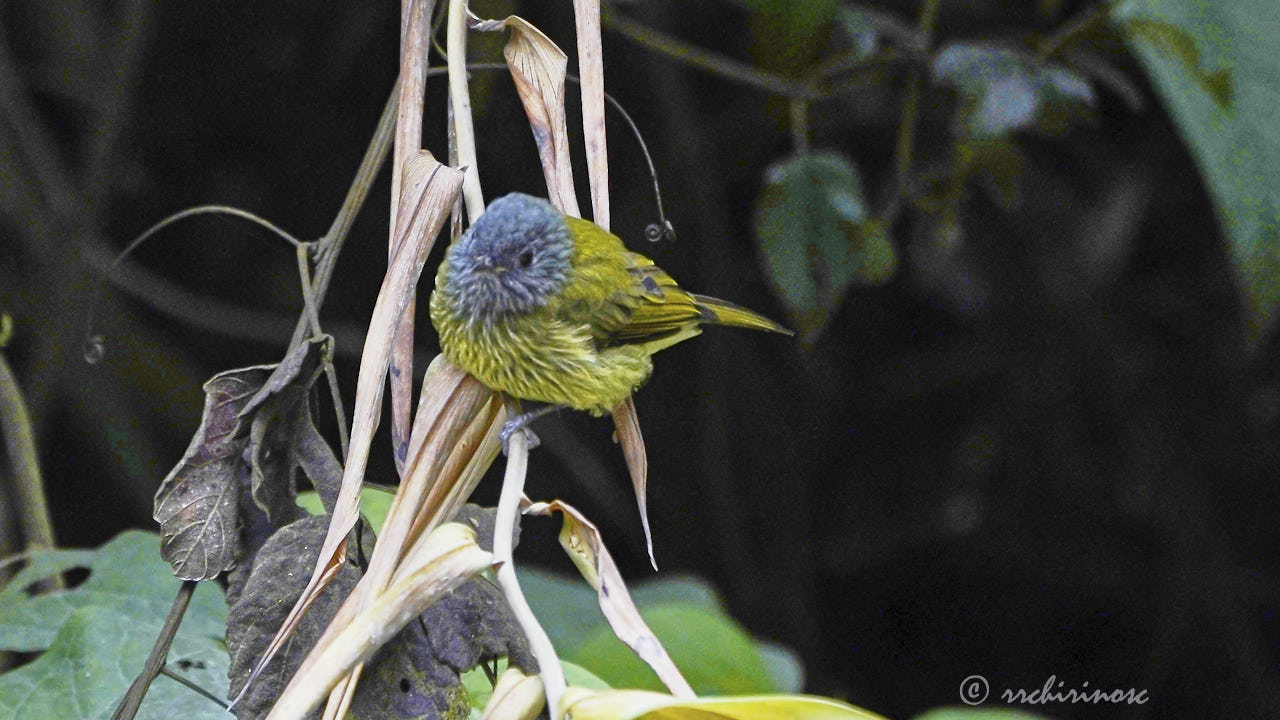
{"x": 435, "y": 188}
{"x": 256, "y": 411}
{"x": 538, "y": 68}
{"x": 581, "y": 540}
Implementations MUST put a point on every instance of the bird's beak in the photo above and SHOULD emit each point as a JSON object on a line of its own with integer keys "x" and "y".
{"x": 488, "y": 263}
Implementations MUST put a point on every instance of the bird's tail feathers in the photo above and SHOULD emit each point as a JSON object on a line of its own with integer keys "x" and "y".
{"x": 720, "y": 312}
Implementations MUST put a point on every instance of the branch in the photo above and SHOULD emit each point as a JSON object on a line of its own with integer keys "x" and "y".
{"x": 20, "y": 447}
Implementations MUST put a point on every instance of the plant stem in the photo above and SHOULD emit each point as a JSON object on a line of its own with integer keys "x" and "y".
{"x": 20, "y": 447}
{"x": 553, "y": 683}
{"x": 156, "y": 660}
{"x": 331, "y": 243}
{"x": 713, "y": 63}
{"x": 1076, "y": 27}
{"x": 905, "y": 148}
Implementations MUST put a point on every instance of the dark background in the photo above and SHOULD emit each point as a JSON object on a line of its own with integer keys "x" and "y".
{"x": 1045, "y": 448}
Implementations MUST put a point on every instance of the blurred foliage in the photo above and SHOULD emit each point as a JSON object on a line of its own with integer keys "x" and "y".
{"x": 817, "y": 237}
{"x": 1217, "y": 66}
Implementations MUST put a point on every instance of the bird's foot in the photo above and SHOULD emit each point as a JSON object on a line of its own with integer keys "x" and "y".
{"x": 510, "y": 428}
{"x": 521, "y": 422}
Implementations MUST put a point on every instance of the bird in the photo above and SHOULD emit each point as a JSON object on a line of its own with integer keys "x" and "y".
{"x": 555, "y": 309}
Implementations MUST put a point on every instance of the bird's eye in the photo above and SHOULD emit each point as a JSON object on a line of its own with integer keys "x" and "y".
{"x": 526, "y": 258}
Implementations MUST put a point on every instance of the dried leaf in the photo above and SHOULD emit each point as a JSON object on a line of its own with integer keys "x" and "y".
{"x": 628, "y": 434}
{"x": 586, "y": 15}
{"x": 581, "y": 540}
{"x": 196, "y": 502}
{"x": 408, "y": 142}
{"x": 538, "y": 68}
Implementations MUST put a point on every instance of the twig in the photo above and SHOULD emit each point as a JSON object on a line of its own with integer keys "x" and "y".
{"x": 156, "y": 660}
{"x": 313, "y": 312}
{"x": 1078, "y": 26}
{"x": 799, "y": 125}
{"x": 169, "y": 673}
{"x": 456, "y": 41}
{"x": 711, "y": 62}
{"x": 905, "y": 147}
{"x": 331, "y": 244}
{"x": 544, "y": 652}
{"x": 20, "y": 447}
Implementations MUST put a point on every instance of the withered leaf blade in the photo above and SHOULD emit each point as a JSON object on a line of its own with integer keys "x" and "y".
{"x": 582, "y": 542}
{"x": 196, "y": 503}
{"x": 628, "y": 428}
{"x": 586, "y": 16}
{"x": 538, "y": 68}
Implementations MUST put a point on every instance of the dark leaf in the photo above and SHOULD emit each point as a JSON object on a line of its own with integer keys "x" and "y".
{"x": 252, "y": 416}
{"x": 418, "y": 674}
{"x": 280, "y": 571}
{"x": 1006, "y": 89}
{"x": 278, "y": 415}
{"x": 816, "y": 236}
{"x": 415, "y": 675}
{"x": 196, "y": 503}
{"x": 318, "y": 461}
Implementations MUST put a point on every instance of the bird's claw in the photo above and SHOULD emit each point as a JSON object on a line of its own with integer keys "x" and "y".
{"x": 510, "y": 428}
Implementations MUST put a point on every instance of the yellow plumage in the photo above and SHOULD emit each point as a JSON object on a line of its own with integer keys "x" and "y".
{"x": 555, "y": 309}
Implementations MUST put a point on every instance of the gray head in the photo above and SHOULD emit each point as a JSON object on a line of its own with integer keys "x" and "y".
{"x": 511, "y": 261}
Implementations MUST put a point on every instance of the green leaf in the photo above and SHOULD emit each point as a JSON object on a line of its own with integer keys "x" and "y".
{"x": 816, "y": 237}
{"x": 126, "y": 577}
{"x": 1179, "y": 45}
{"x": 713, "y": 653}
{"x": 480, "y": 691}
{"x": 374, "y": 504}
{"x": 1006, "y": 89}
{"x": 98, "y": 636}
{"x": 1236, "y": 147}
{"x": 786, "y": 31}
{"x": 570, "y": 613}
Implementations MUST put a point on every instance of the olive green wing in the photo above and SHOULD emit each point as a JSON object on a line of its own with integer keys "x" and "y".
{"x": 623, "y": 297}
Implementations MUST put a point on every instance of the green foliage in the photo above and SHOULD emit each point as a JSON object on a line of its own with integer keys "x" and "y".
{"x": 712, "y": 650}
{"x": 786, "y": 31}
{"x": 374, "y": 504}
{"x": 1005, "y": 89}
{"x": 97, "y": 636}
{"x": 1236, "y": 146}
{"x": 817, "y": 236}
{"x": 480, "y": 690}
{"x": 713, "y": 653}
